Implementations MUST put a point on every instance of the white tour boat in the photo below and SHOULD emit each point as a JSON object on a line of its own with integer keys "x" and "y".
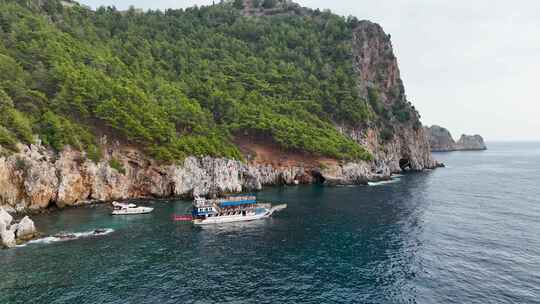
{"x": 129, "y": 209}
{"x": 230, "y": 209}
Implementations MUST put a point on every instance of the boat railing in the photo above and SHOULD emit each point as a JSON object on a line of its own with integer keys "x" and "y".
{"x": 237, "y": 198}
{"x": 202, "y": 202}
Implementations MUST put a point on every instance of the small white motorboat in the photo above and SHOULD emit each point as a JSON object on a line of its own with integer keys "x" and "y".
{"x": 129, "y": 209}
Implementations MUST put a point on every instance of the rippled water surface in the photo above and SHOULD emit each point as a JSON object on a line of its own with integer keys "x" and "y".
{"x": 469, "y": 233}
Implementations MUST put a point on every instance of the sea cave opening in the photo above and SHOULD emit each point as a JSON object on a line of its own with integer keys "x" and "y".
{"x": 405, "y": 164}
{"x": 318, "y": 178}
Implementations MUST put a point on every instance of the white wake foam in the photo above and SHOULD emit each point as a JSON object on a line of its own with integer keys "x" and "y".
{"x": 394, "y": 179}
{"x": 68, "y": 237}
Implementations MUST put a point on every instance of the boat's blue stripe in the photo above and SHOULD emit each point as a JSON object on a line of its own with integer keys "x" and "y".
{"x": 237, "y": 203}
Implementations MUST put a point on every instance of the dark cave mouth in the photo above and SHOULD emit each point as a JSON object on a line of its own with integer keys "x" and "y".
{"x": 318, "y": 178}
{"x": 405, "y": 164}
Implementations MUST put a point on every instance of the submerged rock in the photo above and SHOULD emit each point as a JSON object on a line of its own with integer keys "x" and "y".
{"x": 100, "y": 231}
{"x": 65, "y": 236}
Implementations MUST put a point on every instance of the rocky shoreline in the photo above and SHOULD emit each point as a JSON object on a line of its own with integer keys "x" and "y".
{"x": 36, "y": 178}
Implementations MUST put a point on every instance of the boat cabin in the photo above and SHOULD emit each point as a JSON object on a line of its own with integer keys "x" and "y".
{"x": 230, "y": 206}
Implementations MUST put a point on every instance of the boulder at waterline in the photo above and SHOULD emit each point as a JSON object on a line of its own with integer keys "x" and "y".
{"x": 26, "y": 229}
{"x": 7, "y": 236}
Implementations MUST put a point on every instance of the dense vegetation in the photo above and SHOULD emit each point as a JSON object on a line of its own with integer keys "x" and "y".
{"x": 179, "y": 82}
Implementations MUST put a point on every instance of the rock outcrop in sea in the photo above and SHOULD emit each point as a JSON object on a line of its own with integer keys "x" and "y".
{"x": 471, "y": 142}
{"x": 441, "y": 140}
{"x": 11, "y": 234}
{"x": 37, "y": 177}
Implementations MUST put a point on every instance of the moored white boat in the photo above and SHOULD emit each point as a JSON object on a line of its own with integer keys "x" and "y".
{"x": 129, "y": 209}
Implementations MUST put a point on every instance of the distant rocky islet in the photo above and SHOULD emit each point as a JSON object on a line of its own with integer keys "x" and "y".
{"x": 441, "y": 140}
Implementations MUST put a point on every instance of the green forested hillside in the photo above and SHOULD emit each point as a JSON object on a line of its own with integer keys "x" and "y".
{"x": 177, "y": 83}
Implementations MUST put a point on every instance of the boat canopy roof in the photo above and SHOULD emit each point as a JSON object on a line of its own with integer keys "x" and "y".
{"x": 237, "y": 203}
{"x": 230, "y": 201}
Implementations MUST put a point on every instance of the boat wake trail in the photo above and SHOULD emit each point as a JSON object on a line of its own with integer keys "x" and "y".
{"x": 394, "y": 179}
{"x": 66, "y": 236}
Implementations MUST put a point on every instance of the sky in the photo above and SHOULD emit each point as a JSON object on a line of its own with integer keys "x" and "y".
{"x": 469, "y": 66}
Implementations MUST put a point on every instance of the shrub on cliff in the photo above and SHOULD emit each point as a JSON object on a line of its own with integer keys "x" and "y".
{"x": 21, "y": 165}
{"x": 374, "y": 101}
{"x": 117, "y": 165}
{"x": 239, "y": 4}
{"x": 57, "y": 131}
{"x": 7, "y": 139}
{"x": 401, "y": 113}
{"x": 16, "y": 125}
{"x": 269, "y": 3}
{"x": 5, "y": 100}
{"x": 387, "y": 134}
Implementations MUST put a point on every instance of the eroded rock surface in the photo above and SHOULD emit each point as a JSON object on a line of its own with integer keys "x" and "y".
{"x": 70, "y": 179}
{"x": 25, "y": 229}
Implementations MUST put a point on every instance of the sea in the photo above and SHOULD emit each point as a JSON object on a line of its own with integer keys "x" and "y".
{"x": 467, "y": 233}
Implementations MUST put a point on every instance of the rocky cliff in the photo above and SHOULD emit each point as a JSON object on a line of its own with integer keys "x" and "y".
{"x": 36, "y": 177}
{"x": 395, "y": 136}
{"x": 441, "y": 140}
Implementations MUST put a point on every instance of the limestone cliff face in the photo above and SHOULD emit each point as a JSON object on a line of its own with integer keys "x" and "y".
{"x": 441, "y": 140}
{"x": 36, "y": 177}
{"x": 396, "y": 142}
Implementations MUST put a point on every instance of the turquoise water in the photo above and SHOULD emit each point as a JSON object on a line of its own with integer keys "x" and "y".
{"x": 469, "y": 233}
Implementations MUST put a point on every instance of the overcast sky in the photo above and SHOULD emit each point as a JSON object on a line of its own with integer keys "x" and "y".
{"x": 467, "y": 65}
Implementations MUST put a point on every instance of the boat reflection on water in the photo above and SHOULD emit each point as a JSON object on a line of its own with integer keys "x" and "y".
{"x": 243, "y": 227}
